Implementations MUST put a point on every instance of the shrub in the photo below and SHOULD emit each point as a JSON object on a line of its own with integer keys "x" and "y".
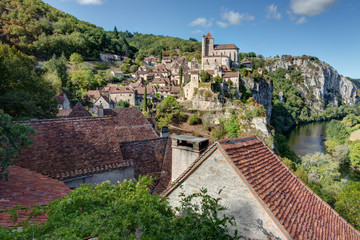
{"x": 123, "y": 104}
{"x": 193, "y": 120}
{"x": 218, "y": 133}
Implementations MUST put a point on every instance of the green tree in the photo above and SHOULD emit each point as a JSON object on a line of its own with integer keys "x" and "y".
{"x": 23, "y": 93}
{"x": 348, "y": 202}
{"x": 205, "y": 76}
{"x": 123, "y": 104}
{"x": 180, "y": 76}
{"x": 13, "y": 138}
{"x": 145, "y": 98}
{"x": 128, "y": 211}
{"x": 76, "y": 59}
{"x": 354, "y": 154}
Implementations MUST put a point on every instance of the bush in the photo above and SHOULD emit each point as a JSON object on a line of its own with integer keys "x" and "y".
{"x": 123, "y": 104}
{"x": 193, "y": 120}
{"x": 101, "y": 66}
{"x": 218, "y": 133}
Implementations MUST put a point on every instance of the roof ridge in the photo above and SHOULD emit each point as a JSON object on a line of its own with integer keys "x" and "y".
{"x": 143, "y": 140}
{"x": 308, "y": 188}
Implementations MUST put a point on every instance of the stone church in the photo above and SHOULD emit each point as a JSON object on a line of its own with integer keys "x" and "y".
{"x": 216, "y": 57}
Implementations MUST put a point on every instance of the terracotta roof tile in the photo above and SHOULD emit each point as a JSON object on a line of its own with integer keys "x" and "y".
{"x": 151, "y": 157}
{"x": 225, "y": 46}
{"x": 27, "y": 188}
{"x": 75, "y": 147}
{"x": 301, "y": 212}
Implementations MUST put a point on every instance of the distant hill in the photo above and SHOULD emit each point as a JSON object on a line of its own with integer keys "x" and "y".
{"x": 38, "y": 29}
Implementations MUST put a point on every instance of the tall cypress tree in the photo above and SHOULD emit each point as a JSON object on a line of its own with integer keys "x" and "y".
{"x": 145, "y": 98}
{"x": 180, "y": 75}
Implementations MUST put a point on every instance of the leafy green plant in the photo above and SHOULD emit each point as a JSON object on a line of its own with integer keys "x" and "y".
{"x": 193, "y": 120}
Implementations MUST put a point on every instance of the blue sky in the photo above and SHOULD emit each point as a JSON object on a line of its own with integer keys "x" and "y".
{"x": 328, "y": 29}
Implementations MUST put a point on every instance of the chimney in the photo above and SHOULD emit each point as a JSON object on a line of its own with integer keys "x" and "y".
{"x": 164, "y": 132}
{"x": 100, "y": 110}
{"x": 185, "y": 150}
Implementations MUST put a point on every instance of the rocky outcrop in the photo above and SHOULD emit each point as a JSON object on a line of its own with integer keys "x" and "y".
{"x": 262, "y": 91}
{"x": 322, "y": 84}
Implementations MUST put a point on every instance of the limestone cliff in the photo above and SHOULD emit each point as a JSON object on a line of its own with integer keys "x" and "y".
{"x": 262, "y": 91}
{"x": 321, "y": 83}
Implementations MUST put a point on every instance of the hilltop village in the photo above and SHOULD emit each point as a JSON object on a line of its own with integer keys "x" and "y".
{"x": 105, "y": 143}
{"x": 168, "y": 77}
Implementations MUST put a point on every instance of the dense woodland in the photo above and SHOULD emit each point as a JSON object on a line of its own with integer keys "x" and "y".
{"x": 40, "y": 30}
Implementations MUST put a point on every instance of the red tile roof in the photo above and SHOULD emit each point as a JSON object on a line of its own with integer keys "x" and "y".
{"x": 93, "y": 94}
{"x": 225, "y": 46}
{"x": 170, "y": 89}
{"x": 300, "y": 211}
{"x": 76, "y": 147}
{"x": 27, "y": 188}
{"x": 208, "y": 36}
{"x": 151, "y": 157}
{"x": 63, "y": 112}
{"x": 230, "y": 74}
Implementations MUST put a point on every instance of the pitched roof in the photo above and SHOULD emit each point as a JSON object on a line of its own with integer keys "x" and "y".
{"x": 76, "y": 147}
{"x": 245, "y": 61}
{"x": 121, "y": 89}
{"x": 27, "y": 188}
{"x": 301, "y": 213}
{"x": 225, "y": 46}
{"x": 79, "y": 111}
{"x": 150, "y": 157}
{"x": 93, "y": 94}
{"x": 208, "y": 36}
{"x": 63, "y": 112}
{"x": 170, "y": 89}
{"x": 60, "y": 99}
{"x": 139, "y": 83}
{"x": 141, "y": 90}
{"x": 230, "y": 74}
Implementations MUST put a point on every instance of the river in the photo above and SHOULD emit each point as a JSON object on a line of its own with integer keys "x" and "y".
{"x": 310, "y": 138}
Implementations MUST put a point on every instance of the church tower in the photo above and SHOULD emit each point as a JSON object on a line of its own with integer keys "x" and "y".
{"x": 207, "y": 45}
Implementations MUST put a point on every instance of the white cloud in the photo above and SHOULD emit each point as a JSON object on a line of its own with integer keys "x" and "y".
{"x": 310, "y": 7}
{"x": 197, "y": 31}
{"x": 272, "y": 12}
{"x": 203, "y": 22}
{"x": 236, "y": 18}
{"x": 221, "y": 24}
{"x": 301, "y": 20}
{"x": 90, "y": 2}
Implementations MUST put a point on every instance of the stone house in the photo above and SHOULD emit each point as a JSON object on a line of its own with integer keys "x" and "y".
{"x": 161, "y": 82}
{"x": 246, "y": 63}
{"x": 102, "y": 102}
{"x": 218, "y": 55}
{"x": 117, "y": 73}
{"x": 169, "y": 91}
{"x": 140, "y": 92}
{"x": 107, "y": 57}
{"x": 150, "y": 61}
{"x": 117, "y": 93}
{"x": 27, "y": 188}
{"x": 192, "y": 85}
{"x": 161, "y": 68}
{"x": 234, "y": 77}
{"x": 267, "y": 200}
{"x": 63, "y": 102}
{"x": 87, "y": 150}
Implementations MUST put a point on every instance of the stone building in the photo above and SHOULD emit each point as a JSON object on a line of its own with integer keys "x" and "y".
{"x": 267, "y": 200}
{"x": 87, "y": 150}
{"x": 217, "y": 56}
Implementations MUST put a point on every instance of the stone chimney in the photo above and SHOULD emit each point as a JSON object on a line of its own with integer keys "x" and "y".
{"x": 185, "y": 150}
{"x": 164, "y": 132}
{"x": 100, "y": 110}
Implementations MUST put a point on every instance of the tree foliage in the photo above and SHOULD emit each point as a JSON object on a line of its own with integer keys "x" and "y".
{"x": 23, "y": 92}
{"x": 128, "y": 211}
{"x": 13, "y": 138}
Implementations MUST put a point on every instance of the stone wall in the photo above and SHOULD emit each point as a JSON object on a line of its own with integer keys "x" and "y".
{"x": 215, "y": 174}
{"x": 114, "y": 176}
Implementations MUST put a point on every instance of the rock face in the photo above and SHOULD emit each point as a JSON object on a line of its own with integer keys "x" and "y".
{"x": 262, "y": 91}
{"x": 321, "y": 83}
